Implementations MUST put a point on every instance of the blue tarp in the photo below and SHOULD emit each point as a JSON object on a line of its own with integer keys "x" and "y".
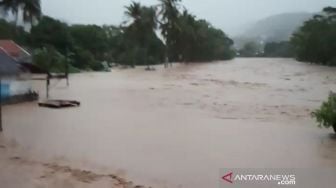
{"x": 4, "y": 91}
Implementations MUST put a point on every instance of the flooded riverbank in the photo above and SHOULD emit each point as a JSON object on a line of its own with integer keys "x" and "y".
{"x": 178, "y": 127}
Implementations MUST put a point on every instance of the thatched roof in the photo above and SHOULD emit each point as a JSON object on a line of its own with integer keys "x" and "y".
{"x": 8, "y": 66}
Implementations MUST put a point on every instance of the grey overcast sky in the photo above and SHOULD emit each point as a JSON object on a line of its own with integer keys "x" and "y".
{"x": 229, "y": 15}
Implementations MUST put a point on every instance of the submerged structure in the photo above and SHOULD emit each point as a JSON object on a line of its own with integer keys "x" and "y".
{"x": 16, "y": 51}
{"x": 8, "y": 70}
{"x": 16, "y": 85}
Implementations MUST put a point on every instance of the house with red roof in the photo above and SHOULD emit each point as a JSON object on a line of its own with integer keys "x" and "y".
{"x": 15, "y": 85}
{"x": 15, "y": 51}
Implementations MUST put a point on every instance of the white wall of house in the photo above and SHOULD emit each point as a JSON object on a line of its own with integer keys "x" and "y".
{"x": 18, "y": 87}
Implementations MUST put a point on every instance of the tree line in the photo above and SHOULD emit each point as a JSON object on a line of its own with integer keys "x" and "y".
{"x": 270, "y": 49}
{"x": 165, "y": 32}
{"x": 315, "y": 41}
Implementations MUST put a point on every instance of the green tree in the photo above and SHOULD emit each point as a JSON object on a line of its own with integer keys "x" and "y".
{"x": 6, "y": 30}
{"x": 10, "y": 31}
{"x": 85, "y": 60}
{"x": 87, "y": 43}
{"x": 49, "y": 59}
{"x": 278, "y": 49}
{"x": 170, "y": 28}
{"x": 31, "y": 9}
{"x": 92, "y": 38}
{"x": 315, "y": 41}
{"x": 200, "y": 41}
{"x": 133, "y": 12}
{"x": 10, "y": 6}
{"x": 250, "y": 49}
{"x": 326, "y": 115}
{"x": 149, "y": 24}
{"x": 133, "y": 43}
{"x": 141, "y": 44}
{"x": 113, "y": 42}
{"x": 52, "y": 32}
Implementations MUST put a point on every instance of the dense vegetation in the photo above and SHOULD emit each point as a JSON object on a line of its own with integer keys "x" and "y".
{"x": 326, "y": 115}
{"x": 315, "y": 41}
{"x": 275, "y": 28}
{"x": 250, "y": 49}
{"x": 271, "y": 49}
{"x": 278, "y": 49}
{"x": 136, "y": 42}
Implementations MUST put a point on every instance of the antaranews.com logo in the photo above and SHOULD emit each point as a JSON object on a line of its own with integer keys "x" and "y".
{"x": 280, "y": 179}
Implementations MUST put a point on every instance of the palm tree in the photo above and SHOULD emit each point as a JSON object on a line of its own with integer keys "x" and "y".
{"x": 141, "y": 28}
{"x": 149, "y": 24}
{"x": 10, "y": 6}
{"x": 169, "y": 10}
{"x": 149, "y": 19}
{"x": 31, "y": 9}
{"x": 131, "y": 30}
{"x": 133, "y": 12}
{"x": 169, "y": 26}
{"x": 188, "y": 36}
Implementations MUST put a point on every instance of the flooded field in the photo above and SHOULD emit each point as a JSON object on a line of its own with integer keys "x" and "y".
{"x": 178, "y": 127}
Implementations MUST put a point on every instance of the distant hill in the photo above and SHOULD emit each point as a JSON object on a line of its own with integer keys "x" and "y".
{"x": 274, "y": 28}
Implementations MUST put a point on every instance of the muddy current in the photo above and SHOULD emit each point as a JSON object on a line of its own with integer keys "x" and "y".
{"x": 179, "y": 127}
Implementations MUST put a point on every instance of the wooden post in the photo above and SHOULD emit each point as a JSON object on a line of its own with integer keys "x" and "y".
{"x": 166, "y": 63}
{"x": 67, "y": 79}
{"x": 146, "y": 59}
{"x": 48, "y": 83}
{"x": 67, "y": 67}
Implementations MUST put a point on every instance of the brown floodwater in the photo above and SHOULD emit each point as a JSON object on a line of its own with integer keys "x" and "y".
{"x": 178, "y": 127}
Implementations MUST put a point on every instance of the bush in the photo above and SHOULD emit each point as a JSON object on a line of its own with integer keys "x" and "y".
{"x": 326, "y": 115}
{"x": 84, "y": 60}
{"x": 278, "y": 49}
{"x": 49, "y": 60}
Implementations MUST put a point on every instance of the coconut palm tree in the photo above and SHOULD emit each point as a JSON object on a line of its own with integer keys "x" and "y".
{"x": 133, "y": 12}
{"x": 149, "y": 18}
{"x": 149, "y": 24}
{"x": 10, "y": 6}
{"x": 31, "y": 9}
{"x": 141, "y": 28}
{"x": 170, "y": 25}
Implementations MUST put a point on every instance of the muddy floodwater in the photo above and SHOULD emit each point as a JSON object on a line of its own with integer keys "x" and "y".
{"x": 178, "y": 127}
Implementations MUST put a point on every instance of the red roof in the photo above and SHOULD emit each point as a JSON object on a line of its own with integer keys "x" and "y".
{"x": 12, "y": 48}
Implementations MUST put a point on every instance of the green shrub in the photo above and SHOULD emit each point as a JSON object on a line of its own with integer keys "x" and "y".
{"x": 49, "y": 59}
{"x": 326, "y": 115}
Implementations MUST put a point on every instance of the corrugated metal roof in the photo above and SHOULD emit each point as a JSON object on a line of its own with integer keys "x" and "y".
{"x": 8, "y": 66}
{"x": 13, "y": 49}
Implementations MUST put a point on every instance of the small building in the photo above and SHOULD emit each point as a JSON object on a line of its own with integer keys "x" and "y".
{"x": 15, "y": 51}
{"x": 9, "y": 70}
{"x": 21, "y": 56}
{"x": 15, "y": 84}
